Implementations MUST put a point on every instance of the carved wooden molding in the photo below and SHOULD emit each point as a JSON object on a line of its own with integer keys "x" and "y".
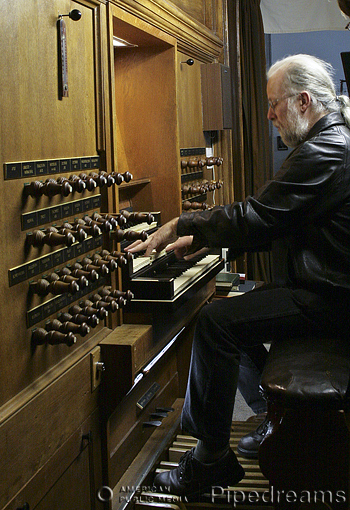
{"x": 193, "y": 38}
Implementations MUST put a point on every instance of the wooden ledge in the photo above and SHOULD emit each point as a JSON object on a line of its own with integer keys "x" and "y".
{"x": 192, "y": 37}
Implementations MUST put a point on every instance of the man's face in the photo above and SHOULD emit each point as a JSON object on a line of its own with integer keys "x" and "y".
{"x": 285, "y": 113}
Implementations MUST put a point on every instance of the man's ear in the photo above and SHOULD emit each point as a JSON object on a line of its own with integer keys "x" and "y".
{"x": 305, "y": 100}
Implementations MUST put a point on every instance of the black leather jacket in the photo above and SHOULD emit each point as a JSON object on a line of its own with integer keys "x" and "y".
{"x": 303, "y": 214}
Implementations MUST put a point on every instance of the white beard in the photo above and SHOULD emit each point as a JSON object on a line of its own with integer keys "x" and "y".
{"x": 296, "y": 128}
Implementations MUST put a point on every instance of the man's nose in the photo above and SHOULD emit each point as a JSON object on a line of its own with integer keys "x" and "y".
{"x": 270, "y": 113}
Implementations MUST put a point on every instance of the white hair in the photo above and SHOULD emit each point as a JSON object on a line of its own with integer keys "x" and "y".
{"x": 309, "y": 73}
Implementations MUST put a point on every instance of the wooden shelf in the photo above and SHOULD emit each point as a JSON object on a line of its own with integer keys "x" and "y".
{"x": 135, "y": 182}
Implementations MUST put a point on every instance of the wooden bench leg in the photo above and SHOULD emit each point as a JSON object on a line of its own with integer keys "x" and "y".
{"x": 305, "y": 457}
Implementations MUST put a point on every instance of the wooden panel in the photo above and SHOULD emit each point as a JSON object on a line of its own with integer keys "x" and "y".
{"x": 36, "y": 125}
{"x": 216, "y": 94}
{"x": 124, "y": 352}
{"x": 126, "y": 433}
{"x": 31, "y": 436}
{"x": 195, "y": 8}
{"x": 145, "y": 113}
{"x": 192, "y": 36}
{"x": 75, "y": 466}
{"x": 189, "y": 104}
{"x": 206, "y": 12}
{"x": 72, "y": 490}
{"x": 136, "y": 339}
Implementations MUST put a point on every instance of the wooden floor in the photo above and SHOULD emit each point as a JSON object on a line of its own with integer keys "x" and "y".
{"x": 251, "y": 493}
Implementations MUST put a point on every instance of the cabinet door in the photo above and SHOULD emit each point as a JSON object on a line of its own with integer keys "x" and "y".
{"x": 35, "y": 123}
{"x": 72, "y": 489}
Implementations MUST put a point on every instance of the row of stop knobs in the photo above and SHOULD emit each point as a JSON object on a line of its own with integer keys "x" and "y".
{"x": 187, "y": 205}
{"x": 72, "y": 278}
{"x": 94, "y": 225}
{"x": 64, "y": 186}
{"x": 200, "y": 163}
{"x": 80, "y": 318}
{"x": 200, "y": 187}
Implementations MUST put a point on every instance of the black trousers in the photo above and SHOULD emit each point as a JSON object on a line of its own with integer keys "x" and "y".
{"x": 230, "y": 326}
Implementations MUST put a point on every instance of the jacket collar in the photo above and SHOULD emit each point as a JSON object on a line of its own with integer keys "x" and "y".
{"x": 331, "y": 119}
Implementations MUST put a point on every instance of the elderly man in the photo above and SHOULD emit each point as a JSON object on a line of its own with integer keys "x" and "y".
{"x": 304, "y": 213}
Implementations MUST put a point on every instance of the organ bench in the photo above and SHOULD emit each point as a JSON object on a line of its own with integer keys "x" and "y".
{"x": 305, "y": 454}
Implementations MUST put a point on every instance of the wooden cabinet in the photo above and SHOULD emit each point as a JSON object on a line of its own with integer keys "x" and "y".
{"x": 128, "y": 109}
{"x": 39, "y": 131}
{"x": 46, "y": 402}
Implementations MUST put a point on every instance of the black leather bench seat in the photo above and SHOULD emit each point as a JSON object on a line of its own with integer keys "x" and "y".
{"x": 311, "y": 372}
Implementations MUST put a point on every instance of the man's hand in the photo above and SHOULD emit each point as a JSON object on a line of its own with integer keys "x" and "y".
{"x": 158, "y": 240}
{"x": 181, "y": 246}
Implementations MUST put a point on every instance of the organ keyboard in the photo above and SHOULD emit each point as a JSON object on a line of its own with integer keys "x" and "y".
{"x": 149, "y": 227}
{"x": 169, "y": 280}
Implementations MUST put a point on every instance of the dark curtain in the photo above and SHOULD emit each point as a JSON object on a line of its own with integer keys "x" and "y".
{"x": 250, "y": 133}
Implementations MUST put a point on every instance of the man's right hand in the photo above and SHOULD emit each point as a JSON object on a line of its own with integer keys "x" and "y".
{"x": 158, "y": 240}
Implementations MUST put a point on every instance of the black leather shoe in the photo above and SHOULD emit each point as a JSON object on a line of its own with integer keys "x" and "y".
{"x": 248, "y": 446}
{"x": 192, "y": 478}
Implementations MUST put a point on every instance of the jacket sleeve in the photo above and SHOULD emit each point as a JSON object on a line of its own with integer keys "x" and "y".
{"x": 310, "y": 183}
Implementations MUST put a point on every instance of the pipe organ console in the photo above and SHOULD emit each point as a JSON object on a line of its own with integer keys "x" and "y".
{"x": 83, "y": 291}
{"x": 96, "y": 342}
